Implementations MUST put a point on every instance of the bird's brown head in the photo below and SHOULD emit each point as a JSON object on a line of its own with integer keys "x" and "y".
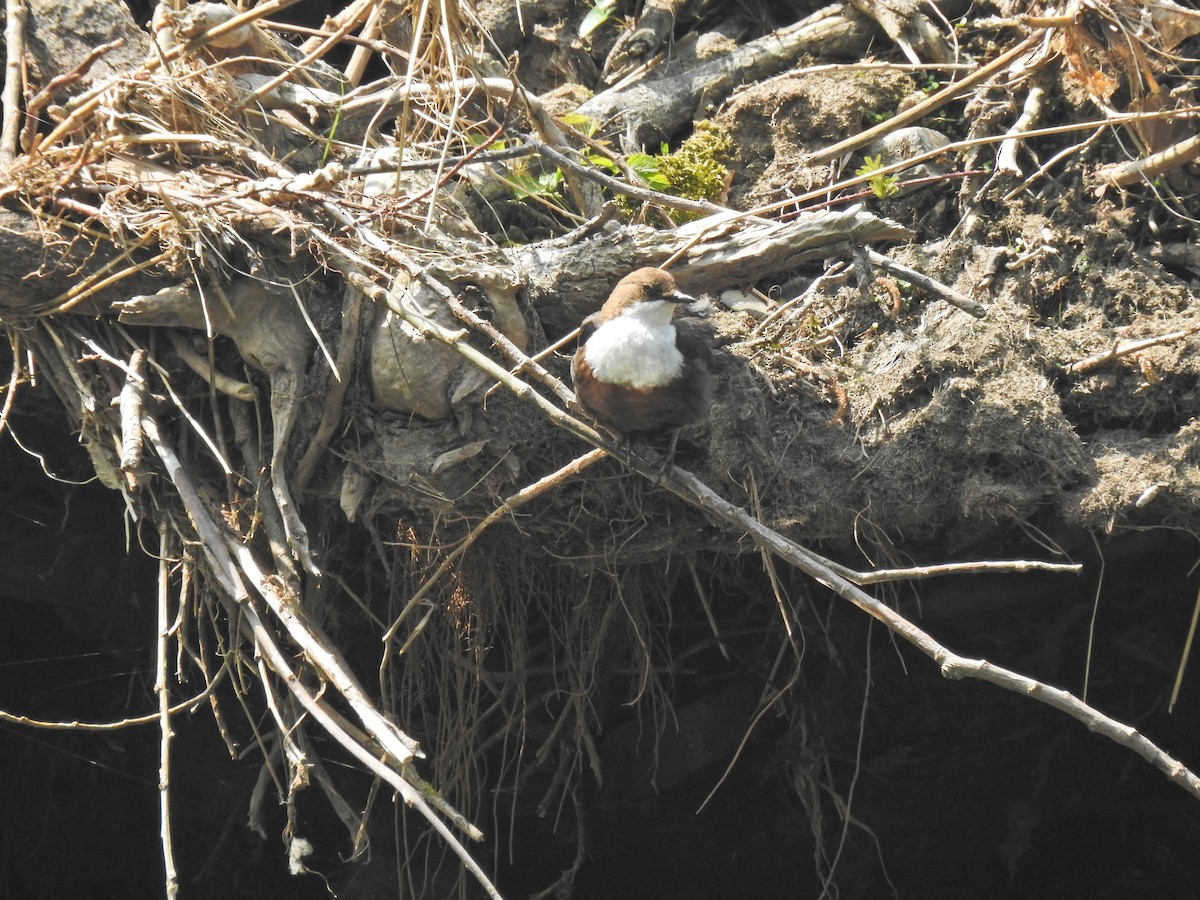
{"x": 645, "y": 285}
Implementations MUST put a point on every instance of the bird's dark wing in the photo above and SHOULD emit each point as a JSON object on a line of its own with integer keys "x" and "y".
{"x": 587, "y": 328}
{"x": 694, "y": 338}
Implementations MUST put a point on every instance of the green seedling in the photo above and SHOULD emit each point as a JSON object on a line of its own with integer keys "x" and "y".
{"x": 882, "y": 186}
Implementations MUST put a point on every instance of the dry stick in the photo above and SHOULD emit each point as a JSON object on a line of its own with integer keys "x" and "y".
{"x": 17, "y": 12}
{"x": 161, "y": 686}
{"x": 266, "y": 643}
{"x": 837, "y": 578}
{"x": 362, "y": 51}
{"x": 916, "y": 573}
{"x": 130, "y": 403}
{"x": 1097, "y": 360}
{"x": 221, "y": 550}
{"x": 510, "y": 504}
{"x": 935, "y": 101}
{"x": 1180, "y": 154}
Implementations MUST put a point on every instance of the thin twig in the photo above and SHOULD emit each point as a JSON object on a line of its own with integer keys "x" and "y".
{"x": 162, "y": 688}
{"x": 14, "y": 379}
{"x": 147, "y": 719}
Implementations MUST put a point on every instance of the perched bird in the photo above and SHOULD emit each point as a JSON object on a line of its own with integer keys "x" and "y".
{"x": 637, "y": 370}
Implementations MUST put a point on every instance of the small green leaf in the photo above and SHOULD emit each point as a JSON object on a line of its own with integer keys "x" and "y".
{"x": 544, "y": 185}
{"x": 603, "y": 162}
{"x": 585, "y": 125}
{"x": 649, "y": 170}
{"x": 597, "y": 16}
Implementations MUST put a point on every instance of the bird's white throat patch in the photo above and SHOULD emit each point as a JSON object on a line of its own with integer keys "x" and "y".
{"x": 637, "y": 348}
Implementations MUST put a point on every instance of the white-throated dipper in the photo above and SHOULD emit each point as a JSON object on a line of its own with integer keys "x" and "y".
{"x": 638, "y": 371}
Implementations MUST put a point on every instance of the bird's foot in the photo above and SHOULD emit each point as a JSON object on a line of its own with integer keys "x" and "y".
{"x": 664, "y": 465}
